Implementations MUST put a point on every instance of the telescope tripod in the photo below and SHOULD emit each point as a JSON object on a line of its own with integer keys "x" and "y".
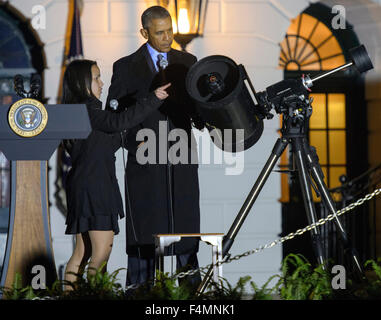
{"x": 311, "y": 175}
{"x": 295, "y": 119}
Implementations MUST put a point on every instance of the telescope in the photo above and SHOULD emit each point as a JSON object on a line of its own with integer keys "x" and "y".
{"x": 274, "y": 95}
{"x": 216, "y": 85}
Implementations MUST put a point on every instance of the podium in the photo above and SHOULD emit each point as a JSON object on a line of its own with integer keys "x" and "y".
{"x": 29, "y": 242}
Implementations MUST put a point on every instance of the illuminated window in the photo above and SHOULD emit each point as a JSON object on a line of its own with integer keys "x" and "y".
{"x": 309, "y": 45}
{"x": 328, "y": 135}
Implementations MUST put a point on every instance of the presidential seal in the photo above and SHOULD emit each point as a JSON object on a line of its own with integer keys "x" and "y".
{"x": 27, "y": 117}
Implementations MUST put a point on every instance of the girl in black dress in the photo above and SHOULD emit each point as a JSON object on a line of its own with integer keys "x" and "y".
{"x": 93, "y": 198}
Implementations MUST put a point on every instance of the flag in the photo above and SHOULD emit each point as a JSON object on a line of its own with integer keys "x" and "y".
{"x": 73, "y": 50}
{"x": 74, "y": 47}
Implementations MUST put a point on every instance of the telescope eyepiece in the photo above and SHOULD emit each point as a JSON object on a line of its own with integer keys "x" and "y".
{"x": 215, "y": 83}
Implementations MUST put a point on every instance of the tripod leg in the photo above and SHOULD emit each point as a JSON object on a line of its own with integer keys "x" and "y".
{"x": 318, "y": 177}
{"x": 305, "y": 183}
{"x": 279, "y": 147}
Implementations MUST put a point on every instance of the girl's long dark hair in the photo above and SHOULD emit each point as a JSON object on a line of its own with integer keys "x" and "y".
{"x": 76, "y": 88}
{"x": 77, "y": 81}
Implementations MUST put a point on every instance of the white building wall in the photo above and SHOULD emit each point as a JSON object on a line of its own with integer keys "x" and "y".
{"x": 248, "y": 31}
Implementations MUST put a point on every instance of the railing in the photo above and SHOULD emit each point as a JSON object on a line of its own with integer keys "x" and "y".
{"x": 361, "y": 225}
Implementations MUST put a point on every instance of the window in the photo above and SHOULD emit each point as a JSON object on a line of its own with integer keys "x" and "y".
{"x": 309, "y": 45}
{"x": 327, "y": 133}
{"x": 337, "y": 129}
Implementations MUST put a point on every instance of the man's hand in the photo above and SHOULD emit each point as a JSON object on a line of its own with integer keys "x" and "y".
{"x": 161, "y": 93}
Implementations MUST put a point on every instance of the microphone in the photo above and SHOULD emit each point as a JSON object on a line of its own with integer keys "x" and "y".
{"x": 35, "y": 85}
{"x": 18, "y": 85}
{"x": 163, "y": 63}
{"x": 114, "y": 104}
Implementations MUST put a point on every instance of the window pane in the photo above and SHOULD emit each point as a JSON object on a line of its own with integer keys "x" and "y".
{"x": 337, "y": 147}
{"x": 318, "y": 118}
{"x": 311, "y": 66}
{"x": 321, "y": 33}
{"x": 333, "y": 62}
{"x": 308, "y": 59}
{"x": 336, "y": 110}
{"x": 318, "y": 139}
{"x": 307, "y": 26}
{"x": 329, "y": 48}
{"x": 334, "y": 175}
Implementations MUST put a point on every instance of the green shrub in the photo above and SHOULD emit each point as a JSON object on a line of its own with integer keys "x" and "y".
{"x": 16, "y": 292}
{"x": 96, "y": 285}
{"x": 301, "y": 281}
{"x": 163, "y": 288}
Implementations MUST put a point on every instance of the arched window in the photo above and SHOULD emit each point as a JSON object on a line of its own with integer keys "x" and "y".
{"x": 14, "y": 52}
{"x": 311, "y": 46}
{"x": 337, "y": 127}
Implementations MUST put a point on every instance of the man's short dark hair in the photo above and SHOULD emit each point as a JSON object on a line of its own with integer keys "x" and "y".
{"x": 155, "y": 12}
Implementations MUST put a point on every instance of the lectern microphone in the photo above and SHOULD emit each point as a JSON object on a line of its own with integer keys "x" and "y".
{"x": 18, "y": 84}
{"x": 35, "y": 85}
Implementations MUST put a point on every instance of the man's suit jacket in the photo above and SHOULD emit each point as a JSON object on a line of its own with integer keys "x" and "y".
{"x": 149, "y": 191}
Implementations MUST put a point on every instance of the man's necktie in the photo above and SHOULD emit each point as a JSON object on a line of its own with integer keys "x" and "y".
{"x": 162, "y": 62}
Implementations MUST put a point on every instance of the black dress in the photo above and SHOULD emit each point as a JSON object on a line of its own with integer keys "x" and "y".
{"x": 93, "y": 197}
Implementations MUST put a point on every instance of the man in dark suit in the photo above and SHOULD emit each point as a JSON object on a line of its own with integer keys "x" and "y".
{"x": 161, "y": 197}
